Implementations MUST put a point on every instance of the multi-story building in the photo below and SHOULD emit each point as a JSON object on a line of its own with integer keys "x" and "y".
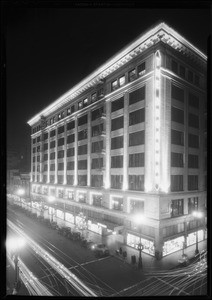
{"x": 130, "y": 138}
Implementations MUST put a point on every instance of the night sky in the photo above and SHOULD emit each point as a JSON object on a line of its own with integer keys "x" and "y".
{"x": 49, "y": 50}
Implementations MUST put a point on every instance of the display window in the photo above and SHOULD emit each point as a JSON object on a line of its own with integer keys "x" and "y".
{"x": 133, "y": 241}
{"x": 69, "y": 218}
{"x": 173, "y": 245}
{"x": 94, "y": 227}
{"x": 60, "y": 214}
{"x": 191, "y": 239}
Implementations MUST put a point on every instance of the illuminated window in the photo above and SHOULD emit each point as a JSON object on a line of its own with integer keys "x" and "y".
{"x": 176, "y": 183}
{"x": 59, "y": 116}
{"x": 96, "y": 180}
{"x": 117, "y": 123}
{"x": 177, "y": 207}
{"x": 142, "y": 69}
{"x": 114, "y": 85}
{"x": 132, "y": 75}
{"x": 80, "y": 105}
{"x": 121, "y": 81}
{"x": 192, "y": 182}
{"x": 117, "y": 104}
{"x": 62, "y": 114}
{"x": 117, "y": 161}
{"x": 97, "y": 200}
{"x": 68, "y": 111}
{"x": 192, "y": 204}
{"x": 118, "y": 203}
{"x": 85, "y": 102}
{"x": 93, "y": 97}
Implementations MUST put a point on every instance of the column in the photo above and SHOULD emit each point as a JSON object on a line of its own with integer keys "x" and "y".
{"x": 89, "y": 151}
{"x": 126, "y": 137}
{"x": 56, "y": 149}
{"x": 107, "y": 146}
{"x": 65, "y": 154}
{"x": 76, "y": 154}
{"x": 48, "y": 161}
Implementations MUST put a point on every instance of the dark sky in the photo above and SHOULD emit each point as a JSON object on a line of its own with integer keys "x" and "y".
{"x": 48, "y": 50}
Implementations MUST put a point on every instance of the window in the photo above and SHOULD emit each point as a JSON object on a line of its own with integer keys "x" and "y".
{"x": 70, "y": 138}
{"x": 190, "y": 76}
{"x": 85, "y": 102}
{"x": 82, "y": 164}
{"x": 136, "y": 160}
{"x": 38, "y": 139}
{"x": 117, "y": 161}
{"x": 60, "y": 129}
{"x": 60, "y": 154}
{"x": 33, "y": 159}
{"x": 80, "y": 104}
{"x": 97, "y": 147}
{"x": 52, "y": 133}
{"x": 70, "y": 179}
{"x": 82, "y": 135}
{"x": 136, "y": 182}
{"x": 192, "y": 182}
{"x": 137, "y": 95}
{"x": 101, "y": 92}
{"x": 70, "y": 165}
{"x": 34, "y": 141}
{"x": 38, "y": 158}
{"x": 136, "y": 206}
{"x": 193, "y": 140}
{"x": 182, "y": 71}
{"x": 136, "y": 117}
{"x": 96, "y": 181}
{"x": 45, "y": 147}
{"x": 82, "y": 149}
{"x": 192, "y": 204}
{"x": 62, "y": 114}
{"x": 82, "y": 180}
{"x": 114, "y": 85}
{"x": 61, "y": 142}
{"x": 193, "y": 100}
{"x": 176, "y": 183}
{"x": 83, "y": 120}
{"x": 193, "y": 121}
{"x": 117, "y": 142}
{"x": 93, "y": 97}
{"x": 117, "y": 104}
{"x": 132, "y": 75}
{"x": 52, "y": 155}
{"x": 142, "y": 69}
{"x": 193, "y": 161}
{"x": 121, "y": 81}
{"x": 177, "y": 160}
{"x": 174, "y": 66}
{"x": 118, "y": 203}
{"x": 97, "y": 130}
{"x": 177, "y": 93}
{"x": 52, "y": 144}
{"x": 45, "y": 137}
{"x": 72, "y": 109}
{"x": 52, "y": 178}
{"x": 45, "y": 158}
{"x": 117, "y": 123}
{"x": 68, "y": 111}
{"x": 59, "y": 116}
{"x": 97, "y": 200}
{"x": 116, "y": 181}
{"x": 45, "y": 168}
{"x": 177, "y": 137}
{"x": 177, "y": 115}
{"x": 177, "y": 208}
{"x": 136, "y": 138}
{"x": 197, "y": 80}
{"x": 70, "y": 125}
{"x": 34, "y": 150}
{"x": 97, "y": 113}
{"x": 70, "y": 152}
{"x": 52, "y": 167}
{"x": 60, "y": 166}
{"x": 60, "y": 179}
{"x": 97, "y": 163}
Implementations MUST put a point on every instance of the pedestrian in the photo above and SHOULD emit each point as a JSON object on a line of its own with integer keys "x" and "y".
{"x": 120, "y": 250}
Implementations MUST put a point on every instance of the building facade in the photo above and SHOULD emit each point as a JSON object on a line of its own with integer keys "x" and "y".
{"x": 130, "y": 138}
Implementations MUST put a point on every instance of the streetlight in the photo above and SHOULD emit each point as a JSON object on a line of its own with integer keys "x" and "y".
{"x": 139, "y": 219}
{"x": 14, "y": 245}
{"x": 51, "y": 199}
{"x": 20, "y": 192}
{"x": 198, "y": 215}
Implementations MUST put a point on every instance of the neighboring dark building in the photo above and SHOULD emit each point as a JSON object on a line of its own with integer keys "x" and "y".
{"x": 130, "y": 137}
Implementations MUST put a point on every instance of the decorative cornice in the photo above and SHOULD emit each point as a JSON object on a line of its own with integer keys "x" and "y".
{"x": 161, "y": 32}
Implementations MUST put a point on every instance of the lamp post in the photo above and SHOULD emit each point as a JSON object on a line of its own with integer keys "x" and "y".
{"x": 14, "y": 245}
{"x": 139, "y": 219}
{"x": 51, "y": 199}
{"x": 198, "y": 215}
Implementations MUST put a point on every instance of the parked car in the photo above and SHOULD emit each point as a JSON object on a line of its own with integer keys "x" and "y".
{"x": 76, "y": 236}
{"x": 91, "y": 245}
{"x": 53, "y": 225}
{"x": 101, "y": 250}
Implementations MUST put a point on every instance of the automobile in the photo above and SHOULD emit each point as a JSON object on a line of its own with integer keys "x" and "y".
{"x": 91, "y": 245}
{"x": 66, "y": 231}
{"x": 53, "y": 225}
{"x": 101, "y": 250}
{"x": 61, "y": 229}
{"x": 76, "y": 236}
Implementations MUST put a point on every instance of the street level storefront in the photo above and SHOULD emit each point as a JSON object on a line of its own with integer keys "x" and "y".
{"x": 191, "y": 239}
{"x": 134, "y": 240}
{"x": 173, "y": 245}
